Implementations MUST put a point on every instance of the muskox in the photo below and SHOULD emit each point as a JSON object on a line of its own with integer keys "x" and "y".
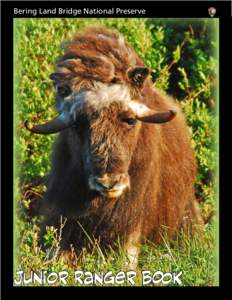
{"x": 123, "y": 166}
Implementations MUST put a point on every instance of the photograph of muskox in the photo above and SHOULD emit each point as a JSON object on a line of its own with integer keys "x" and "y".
{"x": 112, "y": 173}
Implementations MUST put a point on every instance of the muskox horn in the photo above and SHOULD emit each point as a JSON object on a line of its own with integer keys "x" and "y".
{"x": 58, "y": 124}
{"x": 145, "y": 114}
{"x": 159, "y": 117}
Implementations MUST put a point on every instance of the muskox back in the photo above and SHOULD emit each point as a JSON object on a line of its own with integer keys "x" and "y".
{"x": 161, "y": 165}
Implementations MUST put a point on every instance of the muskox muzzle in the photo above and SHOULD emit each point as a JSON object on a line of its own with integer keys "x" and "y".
{"x": 110, "y": 185}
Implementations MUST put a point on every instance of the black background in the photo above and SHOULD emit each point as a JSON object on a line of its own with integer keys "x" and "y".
{"x": 154, "y": 9}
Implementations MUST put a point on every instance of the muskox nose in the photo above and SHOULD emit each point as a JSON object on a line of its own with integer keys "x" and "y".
{"x": 109, "y": 185}
{"x": 106, "y": 182}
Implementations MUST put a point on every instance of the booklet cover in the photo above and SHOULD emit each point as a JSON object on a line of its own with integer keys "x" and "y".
{"x": 115, "y": 112}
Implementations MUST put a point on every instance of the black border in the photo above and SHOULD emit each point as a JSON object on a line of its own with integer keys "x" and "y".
{"x": 186, "y": 9}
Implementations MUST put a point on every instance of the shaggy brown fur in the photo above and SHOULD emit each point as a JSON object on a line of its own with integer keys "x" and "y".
{"x": 158, "y": 157}
{"x": 96, "y": 54}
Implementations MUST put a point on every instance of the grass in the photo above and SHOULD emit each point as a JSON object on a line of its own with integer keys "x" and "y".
{"x": 193, "y": 256}
{"x": 36, "y": 48}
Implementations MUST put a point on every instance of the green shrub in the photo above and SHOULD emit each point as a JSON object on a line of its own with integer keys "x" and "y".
{"x": 195, "y": 71}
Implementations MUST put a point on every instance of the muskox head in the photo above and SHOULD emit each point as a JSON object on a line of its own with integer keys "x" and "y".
{"x": 98, "y": 84}
{"x": 107, "y": 120}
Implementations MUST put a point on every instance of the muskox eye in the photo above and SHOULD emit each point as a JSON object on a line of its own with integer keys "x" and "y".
{"x": 130, "y": 121}
{"x": 64, "y": 90}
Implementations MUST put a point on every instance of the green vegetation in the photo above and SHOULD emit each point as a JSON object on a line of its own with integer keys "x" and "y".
{"x": 182, "y": 57}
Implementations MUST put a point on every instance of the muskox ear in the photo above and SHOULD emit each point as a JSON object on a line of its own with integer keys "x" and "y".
{"x": 59, "y": 76}
{"x": 138, "y": 75}
{"x": 56, "y": 77}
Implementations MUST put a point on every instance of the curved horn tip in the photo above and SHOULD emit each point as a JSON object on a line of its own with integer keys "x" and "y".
{"x": 28, "y": 125}
{"x": 174, "y": 111}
